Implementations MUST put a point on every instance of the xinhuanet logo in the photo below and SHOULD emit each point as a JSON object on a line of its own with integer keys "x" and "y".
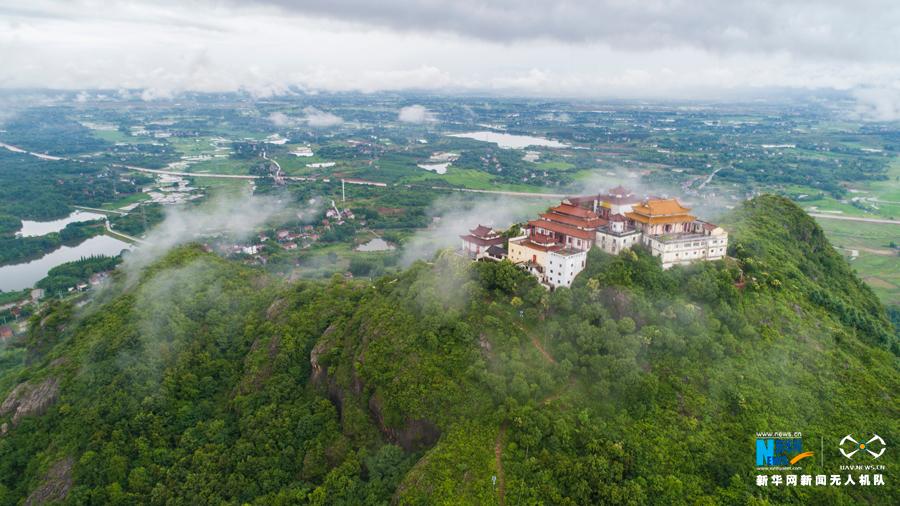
{"x": 780, "y": 449}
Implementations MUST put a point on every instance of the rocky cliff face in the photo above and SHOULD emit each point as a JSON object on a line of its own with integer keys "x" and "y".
{"x": 412, "y": 435}
{"x": 27, "y": 399}
{"x": 55, "y": 484}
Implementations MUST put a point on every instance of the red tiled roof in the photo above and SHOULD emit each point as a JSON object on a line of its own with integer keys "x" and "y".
{"x": 617, "y": 217}
{"x": 562, "y": 229}
{"x": 580, "y": 199}
{"x": 573, "y": 211}
{"x": 575, "y": 222}
{"x": 482, "y": 231}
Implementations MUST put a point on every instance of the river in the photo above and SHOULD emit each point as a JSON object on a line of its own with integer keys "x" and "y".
{"x": 25, "y": 275}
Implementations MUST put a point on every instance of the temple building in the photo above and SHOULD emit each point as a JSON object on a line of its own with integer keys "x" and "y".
{"x": 479, "y": 240}
{"x": 676, "y": 236}
{"x": 616, "y": 200}
{"x": 570, "y": 225}
{"x": 554, "y": 247}
{"x": 617, "y": 234}
{"x": 660, "y": 216}
{"x": 547, "y": 258}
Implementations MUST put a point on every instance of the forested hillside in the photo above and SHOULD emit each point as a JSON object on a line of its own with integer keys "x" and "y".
{"x": 203, "y": 381}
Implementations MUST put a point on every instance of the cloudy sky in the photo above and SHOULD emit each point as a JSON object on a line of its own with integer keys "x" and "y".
{"x": 576, "y": 48}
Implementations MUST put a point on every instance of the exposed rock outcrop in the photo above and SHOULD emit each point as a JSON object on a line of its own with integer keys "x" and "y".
{"x": 413, "y": 435}
{"x": 27, "y": 399}
{"x": 55, "y": 485}
{"x": 319, "y": 374}
{"x": 263, "y": 361}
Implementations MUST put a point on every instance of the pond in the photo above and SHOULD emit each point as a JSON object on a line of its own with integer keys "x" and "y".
{"x": 511, "y": 141}
{"x": 376, "y": 244}
{"x": 25, "y": 275}
{"x": 36, "y": 228}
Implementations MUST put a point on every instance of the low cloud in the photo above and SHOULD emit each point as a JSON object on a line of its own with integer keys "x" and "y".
{"x": 878, "y": 104}
{"x": 314, "y": 118}
{"x": 281, "y": 119}
{"x": 320, "y": 119}
{"x": 225, "y": 217}
{"x": 458, "y": 215}
{"x": 151, "y": 94}
{"x": 416, "y": 114}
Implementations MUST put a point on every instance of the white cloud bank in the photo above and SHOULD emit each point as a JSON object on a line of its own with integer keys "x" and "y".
{"x": 321, "y": 119}
{"x": 878, "y": 104}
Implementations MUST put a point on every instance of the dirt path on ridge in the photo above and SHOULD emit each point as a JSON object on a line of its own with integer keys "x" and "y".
{"x": 498, "y": 457}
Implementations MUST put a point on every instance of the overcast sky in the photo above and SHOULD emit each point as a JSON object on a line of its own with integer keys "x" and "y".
{"x": 579, "y": 48}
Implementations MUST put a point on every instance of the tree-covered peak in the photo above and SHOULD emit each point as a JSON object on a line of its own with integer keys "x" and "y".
{"x": 452, "y": 382}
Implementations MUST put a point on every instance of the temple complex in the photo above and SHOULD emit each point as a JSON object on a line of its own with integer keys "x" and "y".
{"x": 554, "y": 247}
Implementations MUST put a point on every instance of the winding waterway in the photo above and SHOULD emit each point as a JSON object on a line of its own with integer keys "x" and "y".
{"x": 25, "y": 275}
{"x": 36, "y": 228}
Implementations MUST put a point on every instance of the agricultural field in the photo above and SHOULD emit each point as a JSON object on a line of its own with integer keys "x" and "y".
{"x": 868, "y": 248}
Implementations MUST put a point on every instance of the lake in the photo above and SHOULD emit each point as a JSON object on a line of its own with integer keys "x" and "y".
{"x": 36, "y": 228}
{"x": 511, "y": 141}
{"x": 25, "y": 275}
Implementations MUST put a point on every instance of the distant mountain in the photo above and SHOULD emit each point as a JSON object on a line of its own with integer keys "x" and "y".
{"x": 205, "y": 381}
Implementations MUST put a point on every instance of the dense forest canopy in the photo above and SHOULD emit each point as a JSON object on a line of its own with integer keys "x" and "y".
{"x": 200, "y": 380}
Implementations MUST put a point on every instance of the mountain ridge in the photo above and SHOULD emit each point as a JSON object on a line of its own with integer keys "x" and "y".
{"x": 212, "y": 382}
